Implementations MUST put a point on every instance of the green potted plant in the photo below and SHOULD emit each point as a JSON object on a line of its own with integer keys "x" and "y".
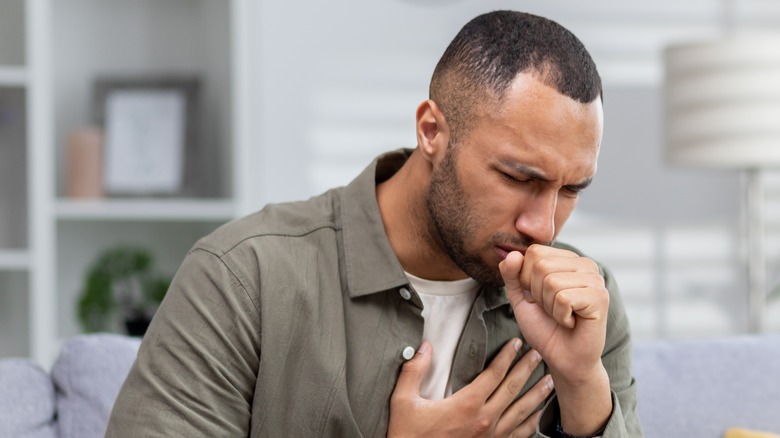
{"x": 121, "y": 283}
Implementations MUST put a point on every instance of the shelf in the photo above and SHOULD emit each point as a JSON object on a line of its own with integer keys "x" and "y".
{"x": 175, "y": 210}
{"x": 13, "y": 76}
{"x": 14, "y": 260}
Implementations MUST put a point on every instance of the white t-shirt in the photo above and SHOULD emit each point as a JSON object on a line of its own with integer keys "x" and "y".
{"x": 446, "y": 307}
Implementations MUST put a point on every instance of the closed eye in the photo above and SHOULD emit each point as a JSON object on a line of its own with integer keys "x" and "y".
{"x": 576, "y": 189}
{"x": 572, "y": 191}
{"x": 511, "y": 179}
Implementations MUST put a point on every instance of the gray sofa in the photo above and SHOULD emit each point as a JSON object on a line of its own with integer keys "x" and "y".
{"x": 74, "y": 401}
{"x": 696, "y": 388}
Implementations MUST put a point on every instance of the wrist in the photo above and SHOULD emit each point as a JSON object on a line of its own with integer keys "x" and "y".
{"x": 580, "y": 380}
{"x": 586, "y": 405}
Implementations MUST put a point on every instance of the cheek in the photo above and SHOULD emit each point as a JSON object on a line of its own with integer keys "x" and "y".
{"x": 563, "y": 210}
{"x": 499, "y": 202}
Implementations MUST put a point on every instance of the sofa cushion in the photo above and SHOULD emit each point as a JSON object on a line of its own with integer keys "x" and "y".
{"x": 699, "y": 388}
{"x": 26, "y": 400}
{"x": 87, "y": 376}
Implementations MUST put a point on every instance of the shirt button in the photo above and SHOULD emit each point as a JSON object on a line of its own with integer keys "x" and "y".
{"x": 405, "y": 294}
{"x": 408, "y": 353}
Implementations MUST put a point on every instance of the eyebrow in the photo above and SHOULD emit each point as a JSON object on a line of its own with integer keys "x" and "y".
{"x": 580, "y": 186}
{"x": 536, "y": 175}
{"x": 529, "y": 172}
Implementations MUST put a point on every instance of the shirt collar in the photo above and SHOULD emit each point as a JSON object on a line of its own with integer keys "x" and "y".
{"x": 371, "y": 264}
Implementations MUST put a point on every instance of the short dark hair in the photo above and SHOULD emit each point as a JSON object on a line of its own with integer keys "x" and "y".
{"x": 493, "y": 48}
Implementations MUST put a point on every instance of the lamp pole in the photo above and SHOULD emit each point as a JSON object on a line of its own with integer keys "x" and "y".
{"x": 756, "y": 268}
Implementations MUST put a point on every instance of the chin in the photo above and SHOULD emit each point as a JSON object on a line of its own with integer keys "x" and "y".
{"x": 486, "y": 274}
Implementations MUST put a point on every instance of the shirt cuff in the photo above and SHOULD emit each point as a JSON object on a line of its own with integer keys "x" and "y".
{"x": 551, "y": 415}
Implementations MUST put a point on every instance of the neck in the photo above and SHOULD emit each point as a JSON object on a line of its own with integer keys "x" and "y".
{"x": 408, "y": 224}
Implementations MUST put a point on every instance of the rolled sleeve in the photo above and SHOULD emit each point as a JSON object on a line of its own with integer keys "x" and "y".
{"x": 618, "y": 425}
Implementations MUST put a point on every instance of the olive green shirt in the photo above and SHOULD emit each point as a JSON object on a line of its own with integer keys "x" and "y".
{"x": 290, "y": 323}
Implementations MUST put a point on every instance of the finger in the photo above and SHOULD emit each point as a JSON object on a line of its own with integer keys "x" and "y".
{"x": 413, "y": 371}
{"x": 510, "y": 270}
{"x": 557, "y": 282}
{"x": 514, "y": 382}
{"x": 535, "y": 270}
{"x": 528, "y": 427}
{"x": 522, "y": 410}
{"x": 488, "y": 380}
{"x": 539, "y": 269}
{"x": 588, "y": 303}
{"x": 534, "y": 255}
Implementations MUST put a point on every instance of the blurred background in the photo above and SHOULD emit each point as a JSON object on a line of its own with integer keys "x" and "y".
{"x": 296, "y": 97}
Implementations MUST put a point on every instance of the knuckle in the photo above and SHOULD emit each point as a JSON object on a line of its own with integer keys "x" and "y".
{"x": 542, "y": 265}
{"x": 523, "y": 412}
{"x": 602, "y": 295}
{"x": 514, "y": 387}
{"x": 533, "y": 249}
{"x": 589, "y": 265}
{"x": 496, "y": 373}
{"x": 563, "y": 298}
{"x": 596, "y": 279}
{"x": 482, "y": 424}
{"x": 550, "y": 282}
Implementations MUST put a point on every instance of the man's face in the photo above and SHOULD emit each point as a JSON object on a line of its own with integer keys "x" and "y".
{"x": 514, "y": 178}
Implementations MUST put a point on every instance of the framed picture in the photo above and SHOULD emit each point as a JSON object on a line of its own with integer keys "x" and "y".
{"x": 148, "y": 126}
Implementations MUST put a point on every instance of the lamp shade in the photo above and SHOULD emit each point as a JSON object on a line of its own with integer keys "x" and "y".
{"x": 722, "y": 103}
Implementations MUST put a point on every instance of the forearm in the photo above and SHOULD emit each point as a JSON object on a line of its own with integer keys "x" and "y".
{"x": 586, "y": 405}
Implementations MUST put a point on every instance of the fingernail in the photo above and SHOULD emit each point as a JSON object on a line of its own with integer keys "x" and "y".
{"x": 550, "y": 384}
{"x": 537, "y": 357}
{"x": 517, "y": 345}
{"x": 423, "y": 348}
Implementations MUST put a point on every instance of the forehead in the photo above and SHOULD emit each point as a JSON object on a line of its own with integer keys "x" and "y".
{"x": 536, "y": 125}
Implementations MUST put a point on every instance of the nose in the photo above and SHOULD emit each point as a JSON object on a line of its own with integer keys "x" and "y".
{"x": 537, "y": 217}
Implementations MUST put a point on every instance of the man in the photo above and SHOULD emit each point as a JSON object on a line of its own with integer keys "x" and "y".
{"x": 395, "y": 305}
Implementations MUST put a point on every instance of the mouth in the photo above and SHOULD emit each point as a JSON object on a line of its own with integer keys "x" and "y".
{"x": 504, "y": 250}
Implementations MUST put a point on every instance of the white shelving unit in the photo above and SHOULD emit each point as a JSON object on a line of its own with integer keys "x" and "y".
{"x": 15, "y": 255}
{"x": 184, "y": 210}
{"x": 13, "y": 76}
{"x": 52, "y": 52}
{"x": 14, "y": 260}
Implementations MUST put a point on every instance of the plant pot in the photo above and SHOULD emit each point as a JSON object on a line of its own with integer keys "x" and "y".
{"x": 137, "y": 326}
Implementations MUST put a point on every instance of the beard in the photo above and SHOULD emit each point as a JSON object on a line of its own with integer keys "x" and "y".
{"x": 454, "y": 221}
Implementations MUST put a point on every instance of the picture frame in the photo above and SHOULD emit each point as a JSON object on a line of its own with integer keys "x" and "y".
{"x": 149, "y": 133}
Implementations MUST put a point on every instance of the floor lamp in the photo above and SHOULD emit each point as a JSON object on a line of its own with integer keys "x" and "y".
{"x": 722, "y": 110}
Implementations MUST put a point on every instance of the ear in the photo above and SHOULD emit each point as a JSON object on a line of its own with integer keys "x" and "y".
{"x": 433, "y": 133}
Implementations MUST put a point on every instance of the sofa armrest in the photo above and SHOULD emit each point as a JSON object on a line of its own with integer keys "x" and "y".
{"x": 87, "y": 376}
{"x": 26, "y": 400}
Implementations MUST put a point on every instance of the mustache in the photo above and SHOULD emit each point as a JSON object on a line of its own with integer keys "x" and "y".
{"x": 521, "y": 241}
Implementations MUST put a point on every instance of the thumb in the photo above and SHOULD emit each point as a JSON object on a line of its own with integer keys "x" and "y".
{"x": 510, "y": 273}
{"x": 413, "y": 371}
